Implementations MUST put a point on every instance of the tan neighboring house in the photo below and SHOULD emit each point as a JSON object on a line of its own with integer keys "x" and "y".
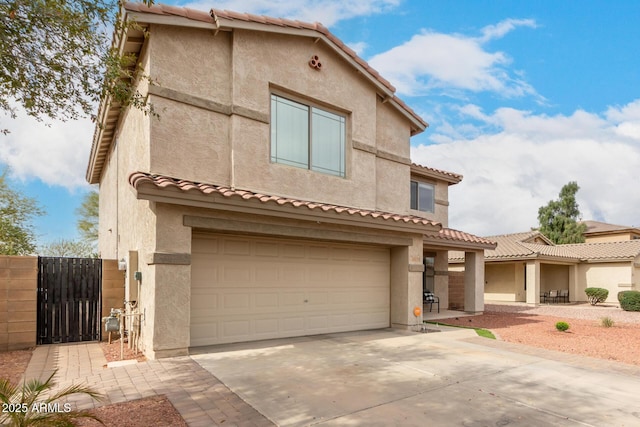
{"x": 274, "y": 196}
{"x": 525, "y": 265}
{"x": 603, "y": 232}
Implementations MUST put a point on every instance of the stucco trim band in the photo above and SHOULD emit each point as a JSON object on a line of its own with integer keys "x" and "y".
{"x": 235, "y": 226}
{"x": 168, "y": 258}
{"x": 357, "y": 145}
{"x": 207, "y": 104}
{"x": 394, "y": 158}
{"x": 416, "y": 268}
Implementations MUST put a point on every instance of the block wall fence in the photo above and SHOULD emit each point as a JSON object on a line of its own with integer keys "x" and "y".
{"x": 19, "y": 298}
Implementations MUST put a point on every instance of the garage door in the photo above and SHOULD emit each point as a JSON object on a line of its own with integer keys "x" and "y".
{"x": 250, "y": 288}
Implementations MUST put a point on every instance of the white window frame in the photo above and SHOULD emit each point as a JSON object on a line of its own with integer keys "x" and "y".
{"x": 306, "y": 155}
{"x": 415, "y": 187}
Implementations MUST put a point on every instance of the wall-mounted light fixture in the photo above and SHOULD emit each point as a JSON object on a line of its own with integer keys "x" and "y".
{"x": 122, "y": 264}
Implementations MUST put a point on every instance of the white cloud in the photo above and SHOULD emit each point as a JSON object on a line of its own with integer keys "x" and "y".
{"x": 328, "y": 12}
{"x": 432, "y": 61}
{"x": 510, "y": 173}
{"x": 497, "y": 31}
{"x": 358, "y": 47}
{"x": 57, "y": 155}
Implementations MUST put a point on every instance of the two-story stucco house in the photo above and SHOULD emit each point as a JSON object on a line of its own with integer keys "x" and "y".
{"x": 274, "y": 196}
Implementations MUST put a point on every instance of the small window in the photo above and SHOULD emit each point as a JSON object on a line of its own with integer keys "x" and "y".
{"x": 422, "y": 196}
{"x": 307, "y": 137}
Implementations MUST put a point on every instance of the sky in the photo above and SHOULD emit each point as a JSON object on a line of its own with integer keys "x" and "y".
{"x": 521, "y": 98}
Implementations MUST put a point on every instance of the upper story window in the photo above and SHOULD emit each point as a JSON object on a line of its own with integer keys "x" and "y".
{"x": 422, "y": 196}
{"x": 307, "y": 137}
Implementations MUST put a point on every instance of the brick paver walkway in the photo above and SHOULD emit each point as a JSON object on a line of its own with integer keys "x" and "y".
{"x": 201, "y": 398}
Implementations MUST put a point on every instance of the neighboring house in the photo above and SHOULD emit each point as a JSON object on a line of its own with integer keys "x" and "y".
{"x": 525, "y": 265}
{"x": 274, "y": 196}
{"x": 602, "y": 232}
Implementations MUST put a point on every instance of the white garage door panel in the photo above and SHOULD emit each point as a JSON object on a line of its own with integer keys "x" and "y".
{"x": 249, "y": 288}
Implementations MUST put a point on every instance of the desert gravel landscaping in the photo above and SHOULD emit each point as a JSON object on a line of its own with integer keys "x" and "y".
{"x": 535, "y": 326}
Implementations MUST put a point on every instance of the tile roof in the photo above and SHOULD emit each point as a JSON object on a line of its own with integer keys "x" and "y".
{"x": 600, "y": 251}
{"x": 522, "y": 246}
{"x": 603, "y": 227}
{"x": 214, "y": 16}
{"x": 436, "y": 173}
{"x": 139, "y": 179}
{"x": 451, "y": 235}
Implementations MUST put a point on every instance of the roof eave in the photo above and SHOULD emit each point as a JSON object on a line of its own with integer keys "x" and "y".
{"x": 449, "y": 177}
{"x": 195, "y": 198}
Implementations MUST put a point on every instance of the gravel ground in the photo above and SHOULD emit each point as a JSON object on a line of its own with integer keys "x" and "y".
{"x": 535, "y": 327}
{"x": 583, "y": 311}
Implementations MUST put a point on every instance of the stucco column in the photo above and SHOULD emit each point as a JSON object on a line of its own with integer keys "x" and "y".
{"x": 168, "y": 308}
{"x": 474, "y": 282}
{"x": 573, "y": 282}
{"x": 406, "y": 284}
{"x": 441, "y": 279}
{"x": 532, "y": 276}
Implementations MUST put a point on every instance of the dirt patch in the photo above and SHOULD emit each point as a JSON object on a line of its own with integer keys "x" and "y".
{"x": 14, "y": 363}
{"x": 154, "y": 411}
{"x": 585, "y": 337}
{"x": 112, "y": 352}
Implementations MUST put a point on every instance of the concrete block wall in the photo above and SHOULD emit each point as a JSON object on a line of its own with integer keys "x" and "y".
{"x": 456, "y": 290}
{"x": 18, "y": 302}
{"x": 19, "y": 298}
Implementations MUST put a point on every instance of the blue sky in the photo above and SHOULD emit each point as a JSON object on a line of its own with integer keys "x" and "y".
{"x": 521, "y": 97}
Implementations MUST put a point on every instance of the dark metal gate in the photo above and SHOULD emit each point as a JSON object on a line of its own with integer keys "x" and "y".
{"x": 69, "y": 299}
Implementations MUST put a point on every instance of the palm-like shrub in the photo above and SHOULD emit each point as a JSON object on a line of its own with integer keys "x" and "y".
{"x": 596, "y": 295}
{"x": 34, "y": 404}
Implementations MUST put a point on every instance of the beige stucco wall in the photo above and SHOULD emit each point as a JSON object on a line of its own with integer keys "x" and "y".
{"x": 611, "y": 237}
{"x": 206, "y": 146}
{"x": 500, "y": 282}
{"x": 615, "y": 277}
{"x": 238, "y": 72}
{"x": 554, "y": 277}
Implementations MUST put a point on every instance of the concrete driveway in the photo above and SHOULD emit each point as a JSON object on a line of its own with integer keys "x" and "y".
{"x": 390, "y": 377}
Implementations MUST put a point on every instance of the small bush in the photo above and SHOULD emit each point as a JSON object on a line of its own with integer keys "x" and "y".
{"x": 629, "y": 300}
{"x": 607, "y": 322}
{"x": 596, "y": 295}
{"x": 562, "y": 326}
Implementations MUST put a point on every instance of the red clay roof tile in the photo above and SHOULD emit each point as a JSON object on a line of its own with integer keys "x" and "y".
{"x": 138, "y": 179}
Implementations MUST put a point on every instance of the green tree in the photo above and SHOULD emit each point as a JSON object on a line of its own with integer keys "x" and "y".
{"x": 88, "y": 213}
{"x": 68, "y": 248}
{"x": 558, "y": 220}
{"x": 16, "y": 212}
{"x": 57, "y": 60}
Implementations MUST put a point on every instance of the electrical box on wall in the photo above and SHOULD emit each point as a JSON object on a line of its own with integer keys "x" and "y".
{"x": 131, "y": 291}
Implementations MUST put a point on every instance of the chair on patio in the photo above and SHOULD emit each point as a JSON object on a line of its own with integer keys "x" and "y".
{"x": 429, "y": 298}
{"x": 544, "y": 296}
{"x": 563, "y": 295}
{"x": 553, "y": 296}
